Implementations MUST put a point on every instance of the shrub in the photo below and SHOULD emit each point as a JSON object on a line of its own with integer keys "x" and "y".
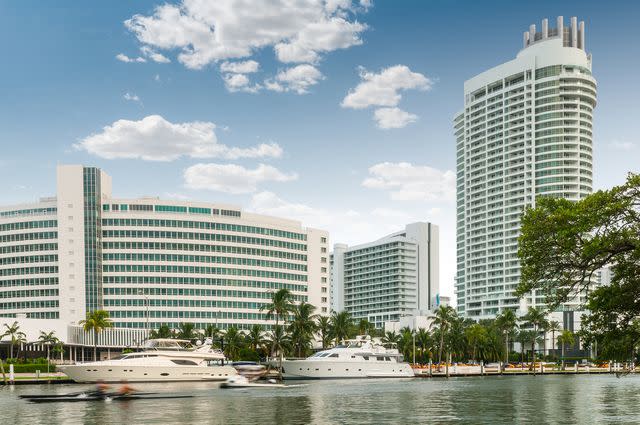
{"x": 31, "y": 368}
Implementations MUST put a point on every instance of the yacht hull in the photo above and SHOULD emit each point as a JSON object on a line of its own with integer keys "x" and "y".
{"x": 307, "y": 369}
{"x": 131, "y": 373}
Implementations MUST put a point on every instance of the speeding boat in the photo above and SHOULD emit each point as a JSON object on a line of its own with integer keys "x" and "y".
{"x": 361, "y": 357}
{"x": 240, "y": 381}
{"x": 161, "y": 360}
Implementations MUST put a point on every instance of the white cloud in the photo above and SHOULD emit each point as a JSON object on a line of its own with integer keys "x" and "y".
{"x": 155, "y": 139}
{"x": 232, "y": 178}
{"x": 622, "y": 145}
{"x": 239, "y": 82}
{"x": 153, "y": 55}
{"x": 297, "y": 79}
{"x": 124, "y": 58}
{"x": 407, "y": 182}
{"x": 383, "y": 90}
{"x": 208, "y": 31}
{"x": 243, "y": 67}
{"x": 132, "y": 97}
{"x": 393, "y": 118}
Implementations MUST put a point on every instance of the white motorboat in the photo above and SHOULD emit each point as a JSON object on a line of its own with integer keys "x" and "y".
{"x": 162, "y": 360}
{"x": 240, "y": 381}
{"x": 358, "y": 358}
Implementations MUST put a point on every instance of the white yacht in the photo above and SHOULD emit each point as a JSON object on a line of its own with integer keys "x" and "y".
{"x": 161, "y": 360}
{"x": 358, "y": 358}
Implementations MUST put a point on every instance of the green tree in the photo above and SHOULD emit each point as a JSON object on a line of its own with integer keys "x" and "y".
{"x": 280, "y": 343}
{"x": 323, "y": 327}
{"x": 279, "y": 308}
{"x": 212, "y": 331}
{"x": 95, "y": 322}
{"x": 535, "y": 317}
{"x": 423, "y": 340}
{"x": 302, "y": 327}
{"x": 365, "y": 327}
{"x": 187, "y": 330}
{"x": 162, "y": 332}
{"x": 405, "y": 346}
{"x": 525, "y": 337}
{"x": 442, "y": 320}
{"x": 48, "y": 339}
{"x": 16, "y": 336}
{"x": 564, "y": 244}
{"x": 507, "y": 323}
{"x": 233, "y": 342}
{"x": 255, "y": 338}
{"x": 341, "y": 326}
{"x": 477, "y": 336}
{"x": 554, "y": 326}
{"x": 566, "y": 338}
{"x": 391, "y": 337}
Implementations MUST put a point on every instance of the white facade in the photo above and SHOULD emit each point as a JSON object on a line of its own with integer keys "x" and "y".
{"x": 149, "y": 260}
{"x": 525, "y": 132}
{"x": 389, "y": 278}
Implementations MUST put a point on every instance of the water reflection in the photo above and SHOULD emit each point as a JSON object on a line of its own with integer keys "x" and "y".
{"x": 515, "y": 399}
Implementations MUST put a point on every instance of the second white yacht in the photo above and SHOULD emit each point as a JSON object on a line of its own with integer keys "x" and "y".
{"x": 162, "y": 360}
{"x": 358, "y": 358}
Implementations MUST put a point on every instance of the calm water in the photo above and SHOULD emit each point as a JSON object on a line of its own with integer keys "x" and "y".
{"x": 490, "y": 400}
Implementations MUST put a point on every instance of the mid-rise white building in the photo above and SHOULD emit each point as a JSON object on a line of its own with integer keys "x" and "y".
{"x": 390, "y": 278}
{"x": 150, "y": 262}
{"x": 525, "y": 132}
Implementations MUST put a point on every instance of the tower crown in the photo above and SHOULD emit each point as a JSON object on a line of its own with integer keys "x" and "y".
{"x": 572, "y": 36}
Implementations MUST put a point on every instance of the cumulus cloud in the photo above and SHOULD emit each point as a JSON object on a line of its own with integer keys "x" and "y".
{"x": 155, "y": 139}
{"x": 124, "y": 58}
{"x": 407, "y": 182}
{"x": 232, "y": 178}
{"x": 242, "y": 67}
{"x": 131, "y": 97}
{"x": 297, "y": 79}
{"x": 153, "y": 55}
{"x": 208, "y": 31}
{"x": 383, "y": 90}
{"x": 393, "y": 118}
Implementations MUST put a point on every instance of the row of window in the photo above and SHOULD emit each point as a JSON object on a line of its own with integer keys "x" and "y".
{"x": 208, "y": 281}
{"x": 191, "y": 292}
{"x": 204, "y": 225}
{"x": 186, "y": 314}
{"x": 29, "y": 259}
{"x": 28, "y": 248}
{"x": 30, "y": 211}
{"x": 29, "y": 293}
{"x": 135, "y": 268}
{"x": 16, "y": 237}
{"x": 184, "y": 303}
{"x": 20, "y": 305}
{"x": 201, "y": 259}
{"x": 173, "y": 246}
{"x": 32, "y": 281}
{"x": 29, "y": 270}
{"x": 38, "y": 224}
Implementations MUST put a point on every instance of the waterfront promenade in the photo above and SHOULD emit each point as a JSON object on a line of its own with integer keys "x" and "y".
{"x": 434, "y": 371}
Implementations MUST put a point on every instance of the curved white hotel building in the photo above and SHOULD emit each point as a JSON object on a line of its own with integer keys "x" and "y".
{"x": 150, "y": 262}
{"x": 525, "y": 132}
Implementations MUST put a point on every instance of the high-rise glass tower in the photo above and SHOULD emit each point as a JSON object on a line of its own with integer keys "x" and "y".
{"x": 525, "y": 132}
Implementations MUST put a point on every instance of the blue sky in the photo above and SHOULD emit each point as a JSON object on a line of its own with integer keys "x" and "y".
{"x": 313, "y": 156}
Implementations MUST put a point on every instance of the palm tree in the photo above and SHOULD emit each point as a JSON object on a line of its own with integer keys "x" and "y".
{"x": 162, "y": 332}
{"x": 554, "y": 326}
{"x": 507, "y": 323}
{"x": 187, "y": 330}
{"x": 406, "y": 342}
{"x": 524, "y": 337}
{"x": 536, "y": 318}
{"x": 302, "y": 326}
{"x": 17, "y": 337}
{"x": 233, "y": 343}
{"x": 476, "y": 335}
{"x": 324, "y": 329}
{"x": 566, "y": 338}
{"x": 341, "y": 325}
{"x": 48, "y": 339}
{"x": 442, "y": 319}
{"x": 391, "y": 338}
{"x": 423, "y": 339}
{"x": 96, "y": 322}
{"x": 279, "y": 307}
{"x": 212, "y": 331}
{"x": 255, "y": 338}
{"x": 280, "y": 342}
{"x": 364, "y": 327}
